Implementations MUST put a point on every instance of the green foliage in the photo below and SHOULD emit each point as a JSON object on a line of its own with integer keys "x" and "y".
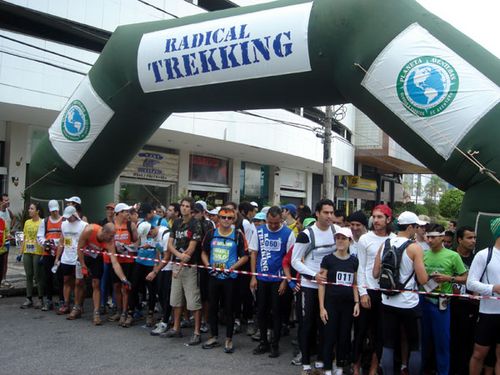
{"x": 431, "y": 207}
{"x": 450, "y": 203}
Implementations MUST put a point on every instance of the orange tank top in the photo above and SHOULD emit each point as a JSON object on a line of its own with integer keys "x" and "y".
{"x": 93, "y": 243}
{"x": 122, "y": 237}
{"x": 52, "y": 232}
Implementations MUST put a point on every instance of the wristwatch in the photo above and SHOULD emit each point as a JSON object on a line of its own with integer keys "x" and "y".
{"x": 452, "y": 279}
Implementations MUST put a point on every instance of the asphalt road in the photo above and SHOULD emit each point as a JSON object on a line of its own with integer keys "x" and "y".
{"x": 36, "y": 342}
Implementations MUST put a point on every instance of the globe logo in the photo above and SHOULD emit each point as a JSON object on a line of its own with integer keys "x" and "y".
{"x": 427, "y": 85}
{"x": 75, "y": 124}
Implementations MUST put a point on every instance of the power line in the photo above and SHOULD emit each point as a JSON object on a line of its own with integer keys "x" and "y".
{"x": 157, "y": 8}
{"x": 43, "y": 62}
{"x": 45, "y": 50}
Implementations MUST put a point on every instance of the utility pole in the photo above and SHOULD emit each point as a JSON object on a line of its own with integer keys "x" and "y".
{"x": 327, "y": 154}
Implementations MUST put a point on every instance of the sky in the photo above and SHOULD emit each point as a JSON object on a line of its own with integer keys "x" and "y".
{"x": 477, "y": 19}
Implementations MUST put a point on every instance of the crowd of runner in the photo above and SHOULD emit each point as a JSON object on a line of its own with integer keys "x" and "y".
{"x": 335, "y": 277}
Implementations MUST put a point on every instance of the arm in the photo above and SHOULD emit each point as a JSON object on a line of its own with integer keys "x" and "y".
{"x": 418, "y": 263}
{"x": 299, "y": 251}
{"x": 40, "y": 235}
{"x": 474, "y": 283}
{"x": 253, "y": 267}
{"x": 355, "y": 293}
{"x": 59, "y": 250}
{"x": 362, "y": 270}
{"x": 378, "y": 263}
{"x": 321, "y": 295}
{"x": 110, "y": 247}
{"x": 82, "y": 242}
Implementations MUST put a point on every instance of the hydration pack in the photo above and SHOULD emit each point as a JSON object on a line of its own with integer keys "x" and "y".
{"x": 391, "y": 262}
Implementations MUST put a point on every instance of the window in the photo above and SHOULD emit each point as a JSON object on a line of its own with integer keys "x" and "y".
{"x": 207, "y": 169}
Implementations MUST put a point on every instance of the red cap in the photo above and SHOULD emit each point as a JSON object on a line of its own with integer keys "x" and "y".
{"x": 385, "y": 209}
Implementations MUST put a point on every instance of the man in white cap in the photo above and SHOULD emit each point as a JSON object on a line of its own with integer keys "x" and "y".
{"x": 125, "y": 236}
{"x": 421, "y": 238}
{"x": 67, "y": 259}
{"x": 400, "y": 311}
{"x": 48, "y": 235}
{"x": 77, "y": 203}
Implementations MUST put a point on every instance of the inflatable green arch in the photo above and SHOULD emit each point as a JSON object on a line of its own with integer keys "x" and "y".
{"x": 427, "y": 85}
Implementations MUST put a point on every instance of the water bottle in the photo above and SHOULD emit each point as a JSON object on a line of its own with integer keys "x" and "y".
{"x": 54, "y": 268}
{"x": 78, "y": 271}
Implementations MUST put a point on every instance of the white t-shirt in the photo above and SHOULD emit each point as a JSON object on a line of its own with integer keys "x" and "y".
{"x": 70, "y": 236}
{"x": 353, "y": 247}
{"x": 163, "y": 239}
{"x": 403, "y": 300}
{"x": 368, "y": 246}
{"x": 491, "y": 277}
{"x": 249, "y": 229}
{"x": 310, "y": 266}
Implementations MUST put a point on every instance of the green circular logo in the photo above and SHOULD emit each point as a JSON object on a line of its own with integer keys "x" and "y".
{"x": 75, "y": 124}
{"x": 427, "y": 85}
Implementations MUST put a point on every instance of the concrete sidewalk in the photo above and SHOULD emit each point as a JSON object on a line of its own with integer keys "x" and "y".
{"x": 16, "y": 278}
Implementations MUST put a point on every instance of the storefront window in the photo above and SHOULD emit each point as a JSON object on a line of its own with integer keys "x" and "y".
{"x": 206, "y": 169}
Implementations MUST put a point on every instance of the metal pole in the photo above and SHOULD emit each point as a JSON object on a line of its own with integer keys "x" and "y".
{"x": 327, "y": 155}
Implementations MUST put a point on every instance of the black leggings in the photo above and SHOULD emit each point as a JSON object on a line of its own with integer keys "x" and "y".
{"x": 269, "y": 310}
{"x": 338, "y": 331}
{"x": 138, "y": 280}
{"x": 48, "y": 276}
{"x": 369, "y": 326}
{"x": 221, "y": 291}
{"x": 311, "y": 324}
{"x": 164, "y": 286}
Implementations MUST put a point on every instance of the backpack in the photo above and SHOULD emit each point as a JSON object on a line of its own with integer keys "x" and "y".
{"x": 391, "y": 262}
{"x": 488, "y": 260}
{"x": 312, "y": 243}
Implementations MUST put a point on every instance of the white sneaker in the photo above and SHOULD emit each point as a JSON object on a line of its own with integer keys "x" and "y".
{"x": 339, "y": 371}
{"x": 159, "y": 329}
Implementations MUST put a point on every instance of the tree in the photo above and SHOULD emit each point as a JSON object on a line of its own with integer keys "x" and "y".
{"x": 450, "y": 203}
{"x": 435, "y": 186}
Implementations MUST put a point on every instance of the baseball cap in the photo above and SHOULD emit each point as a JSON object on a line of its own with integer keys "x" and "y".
{"x": 290, "y": 207}
{"x": 259, "y": 216}
{"x": 122, "y": 207}
{"x": 385, "y": 209}
{"x": 308, "y": 221}
{"x": 203, "y": 205}
{"x": 70, "y": 211}
{"x": 255, "y": 204}
{"x": 198, "y": 207}
{"x": 53, "y": 205}
{"x": 407, "y": 217}
{"x": 215, "y": 211}
{"x": 111, "y": 205}
{"x": 74, "y": 199}
{"x": 423, "y": 220}
{"x": 344, "y": 231}
{"x": 265, "y": 209}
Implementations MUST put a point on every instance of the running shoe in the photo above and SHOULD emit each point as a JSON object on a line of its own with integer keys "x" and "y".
{"x": 195, "y": 340}
{"x": 159, "y": 329}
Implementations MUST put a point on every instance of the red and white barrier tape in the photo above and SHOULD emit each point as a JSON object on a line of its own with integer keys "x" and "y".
{"x": 421, "y": 292}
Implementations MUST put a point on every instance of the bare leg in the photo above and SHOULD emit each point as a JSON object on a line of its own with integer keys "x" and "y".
{"x": 197, "y": 321}
{"x": 96, "y": 294}
{"x": 478, "y": 355}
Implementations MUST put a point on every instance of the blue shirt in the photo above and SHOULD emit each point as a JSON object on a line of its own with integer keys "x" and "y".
{"x": 149, "y": 253}
{"x": 272, "y": 248}
{"x": 224, "y": 251}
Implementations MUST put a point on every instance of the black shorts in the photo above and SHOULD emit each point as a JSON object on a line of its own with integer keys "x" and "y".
{"x": 67, "y": 269}
{"x": 203, "y": 281}
{"x": 95, "y": 266}
{"x": 394, "y": 320}
{"x": 127, "y": 269}
{"x": 488, "y": 329}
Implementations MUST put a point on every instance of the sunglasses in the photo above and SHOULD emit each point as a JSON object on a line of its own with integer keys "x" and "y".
{"x": 226, "y": 217}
